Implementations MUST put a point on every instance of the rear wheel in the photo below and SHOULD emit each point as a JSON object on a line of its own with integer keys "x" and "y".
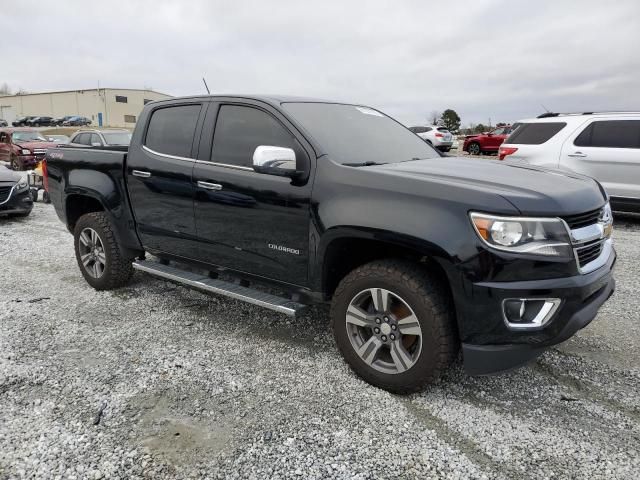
{"x": 474, "y": 149}
{"x": 394, "y": 325}
{"x": 100, "y": 258}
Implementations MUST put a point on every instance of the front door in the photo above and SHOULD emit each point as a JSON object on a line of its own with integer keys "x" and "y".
{"x": 247, "y": 221}
{"x": 609, "y": 151}
{"x": 159, "y": 180}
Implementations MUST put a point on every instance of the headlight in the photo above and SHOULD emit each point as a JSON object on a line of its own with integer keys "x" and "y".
{"x": 22, "y": 184}
{"x": 534, "y": 236}
{"x": 25, "y": 151}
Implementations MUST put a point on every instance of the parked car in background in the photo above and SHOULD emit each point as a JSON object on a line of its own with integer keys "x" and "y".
{"x": 40, "y": 122}
{"x": 23, "y": 121}
{"x": 3, "y": 123}
{"x": 58, "y": 139}
{"x": 15, "y": 197}
{"x": 101, "y": 138}
{"x": 60, "y": 120}
{"x": 605, "y": 146}
{"x": 487, "y": 142}
{"x": 76, "y": 122}
{"x": 23, "y": 148}
{"x": 439, "y": 137}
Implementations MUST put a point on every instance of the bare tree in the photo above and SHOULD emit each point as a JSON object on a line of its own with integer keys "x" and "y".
{"x": 5, "y": 89}
{"x": 434, "y": 117}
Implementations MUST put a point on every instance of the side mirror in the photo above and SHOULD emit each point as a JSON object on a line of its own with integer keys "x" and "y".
{"x": 272, "y": 160}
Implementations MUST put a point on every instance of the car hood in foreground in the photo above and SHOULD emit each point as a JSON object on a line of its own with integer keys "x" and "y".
{"x": 532, "y": 190}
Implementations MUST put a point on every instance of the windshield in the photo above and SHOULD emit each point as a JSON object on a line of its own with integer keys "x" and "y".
{"x": 117, "y": 138}
{"x": 354, "y": 134}
{"x": 28, "y": 137}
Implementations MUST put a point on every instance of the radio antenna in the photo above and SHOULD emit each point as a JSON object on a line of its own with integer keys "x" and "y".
{"x": 206, "y": 86}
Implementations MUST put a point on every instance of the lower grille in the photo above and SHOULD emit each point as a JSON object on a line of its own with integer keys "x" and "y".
{"x": 589, "y": 252}
{"x": 5, "y": 192}
{"x": 39, "y": 152}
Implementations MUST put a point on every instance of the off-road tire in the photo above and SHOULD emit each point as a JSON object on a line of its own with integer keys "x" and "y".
{"x": 118, "y": 268}
{"x": 432, "y": 305}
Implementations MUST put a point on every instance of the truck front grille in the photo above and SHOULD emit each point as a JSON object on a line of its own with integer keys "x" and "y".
{"x": 5, "y": 193}
{"x": 40, "y": 152}
{"x": 589, "y": 252}
{"x": 583, "y": 219}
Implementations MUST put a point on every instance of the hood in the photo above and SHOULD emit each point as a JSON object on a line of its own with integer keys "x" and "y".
{"x": 532, "y": 190}
{"x": 8, "y": 176}
{"x": 32, "y": 145}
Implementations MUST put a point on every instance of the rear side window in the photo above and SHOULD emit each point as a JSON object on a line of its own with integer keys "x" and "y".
{"x": 171, "y": 130}
{"x": 239, "y": 130}
{"x": 95, "y": 139}
{"x": 535, "y": 133}
{"x": 610, "y": 134}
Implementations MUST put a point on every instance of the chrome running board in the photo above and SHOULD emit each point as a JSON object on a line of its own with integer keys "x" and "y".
{"x": 228, "y": 289}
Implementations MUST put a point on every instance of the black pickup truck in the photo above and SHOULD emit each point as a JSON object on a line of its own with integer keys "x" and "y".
{"x": 420, "y": 255}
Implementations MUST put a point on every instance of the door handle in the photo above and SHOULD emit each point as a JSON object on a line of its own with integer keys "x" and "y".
{"x": 209, "y": 186}
{"x": 140, "y": 173}
{"x": 577, "y": 154}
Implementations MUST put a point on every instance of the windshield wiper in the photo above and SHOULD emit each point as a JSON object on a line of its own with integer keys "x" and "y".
{"x": 363, "y": 164}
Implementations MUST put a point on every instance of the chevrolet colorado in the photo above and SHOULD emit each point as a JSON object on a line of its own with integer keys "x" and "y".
{"x": 420, "y": 256}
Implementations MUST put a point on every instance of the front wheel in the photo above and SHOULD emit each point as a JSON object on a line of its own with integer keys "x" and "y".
{"x": 100, "y": 258}
{"x": 474, "y": 149}
{"x": 15, "y": 165}
{"x": 394, "y": 325}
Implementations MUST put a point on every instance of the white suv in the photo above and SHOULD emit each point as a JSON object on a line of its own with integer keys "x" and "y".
{"x": 605, "y": 146}
{"x": 435, "y": 136}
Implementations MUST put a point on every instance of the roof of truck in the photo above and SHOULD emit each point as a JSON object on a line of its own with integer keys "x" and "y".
{"x": 274, "y": 99}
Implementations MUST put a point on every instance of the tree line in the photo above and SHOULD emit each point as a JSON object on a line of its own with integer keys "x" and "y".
{"x": 452, "y": 122}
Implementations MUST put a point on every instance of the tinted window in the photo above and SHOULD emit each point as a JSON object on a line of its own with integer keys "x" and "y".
{"x": 443, "y": 129}
{"x": 534, "y": 133}
{"x": 239, "y": 130}
{"x": 121, "y": 99}
{"x": 82, "y": 138}
{"x": 355, "y": 134}
{"x": 171, "y": 130}
{"x": 95, "y": 139}
{"x": 611, "y": 133}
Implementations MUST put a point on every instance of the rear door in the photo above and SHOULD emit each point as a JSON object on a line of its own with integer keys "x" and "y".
{"x": 609, "y": 151}
{"x": 159, "y": 178}
{"x": 246, "y": 221}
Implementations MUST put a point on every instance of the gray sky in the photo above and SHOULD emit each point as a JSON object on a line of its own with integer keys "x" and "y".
{"x": 483, "y": 58}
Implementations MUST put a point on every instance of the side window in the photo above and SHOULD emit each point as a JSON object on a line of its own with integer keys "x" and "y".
{"x": 171, "y": 130}
{"x": 239, "y": 130}
{"x": 610, "y": 134}
{"x": 95, "y": 139}
{"x": 4, "y": 138}
{"x": 82, "y": 138}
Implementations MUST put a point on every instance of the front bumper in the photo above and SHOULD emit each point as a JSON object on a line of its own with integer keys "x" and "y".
{"x": 491, "y": 347}
{"x": 18, "y": 202}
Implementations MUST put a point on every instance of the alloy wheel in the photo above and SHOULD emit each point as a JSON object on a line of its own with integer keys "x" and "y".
{"x": 92, "y": 253}
{"x": 474, "y": 149}
{"x": 384, "y": 331}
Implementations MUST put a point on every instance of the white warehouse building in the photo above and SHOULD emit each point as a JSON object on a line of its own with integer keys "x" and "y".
{"x": 108, "y": 107}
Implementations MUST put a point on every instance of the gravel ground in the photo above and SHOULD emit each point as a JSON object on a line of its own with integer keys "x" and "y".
{"x": 157, "y": 381}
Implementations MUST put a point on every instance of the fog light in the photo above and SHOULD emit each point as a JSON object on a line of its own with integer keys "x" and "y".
{"x": 528, "y": 313}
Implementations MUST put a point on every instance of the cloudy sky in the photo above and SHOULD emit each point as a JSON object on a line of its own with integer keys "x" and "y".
{"x": 483, "y": 58}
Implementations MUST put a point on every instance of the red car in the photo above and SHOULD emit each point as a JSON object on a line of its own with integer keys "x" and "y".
{"x": 23, "y": 148}
{"x": 487, "y": 142}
